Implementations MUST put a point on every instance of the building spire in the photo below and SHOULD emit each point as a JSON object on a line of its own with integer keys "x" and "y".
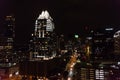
{"x": 44, "y": 15}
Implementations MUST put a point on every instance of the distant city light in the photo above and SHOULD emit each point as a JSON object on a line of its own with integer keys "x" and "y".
{"x": 89, "y": 38}
{"x": 109, "y": 29}
{"x": 118, "y": 63}
{"x": 117, "y": 34}
{"x": 76, "y": 36}
{"x": 91, "y": 31}
{"x": 10, "y": 75}
{"x": 17, "y": 73}
{"x": 69, "y": 78}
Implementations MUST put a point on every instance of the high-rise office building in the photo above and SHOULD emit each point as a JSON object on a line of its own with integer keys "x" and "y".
{"x": 7, "y": 38}
{"x": 43, "y": 42}
{"x": 8, "y": 59}
{"x": 103, "y": 43}
{"x": 10, "y": 26}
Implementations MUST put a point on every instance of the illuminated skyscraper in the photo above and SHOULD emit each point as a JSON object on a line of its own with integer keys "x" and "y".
{"x": 7, "y": 38}
{"x": 43, "y": 44}
{"x": 43, "y": 25}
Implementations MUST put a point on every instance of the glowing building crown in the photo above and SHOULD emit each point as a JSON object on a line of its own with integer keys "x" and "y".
{"x": 44, "y": 15}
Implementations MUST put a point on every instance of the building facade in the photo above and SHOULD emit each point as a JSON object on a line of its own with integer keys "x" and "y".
{"x": 7, "y": 39}
{"x": 43, "y": 42}
{"x": 117, "y": 42}
{"x": 103, "y": 44}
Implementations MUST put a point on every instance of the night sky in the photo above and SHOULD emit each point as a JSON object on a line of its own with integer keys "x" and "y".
{"x": 70, "y": 16}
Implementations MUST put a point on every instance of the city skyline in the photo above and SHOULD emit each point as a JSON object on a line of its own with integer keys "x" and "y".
{"x": 63, "y": 39}
{"x": 67, "y": 14}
